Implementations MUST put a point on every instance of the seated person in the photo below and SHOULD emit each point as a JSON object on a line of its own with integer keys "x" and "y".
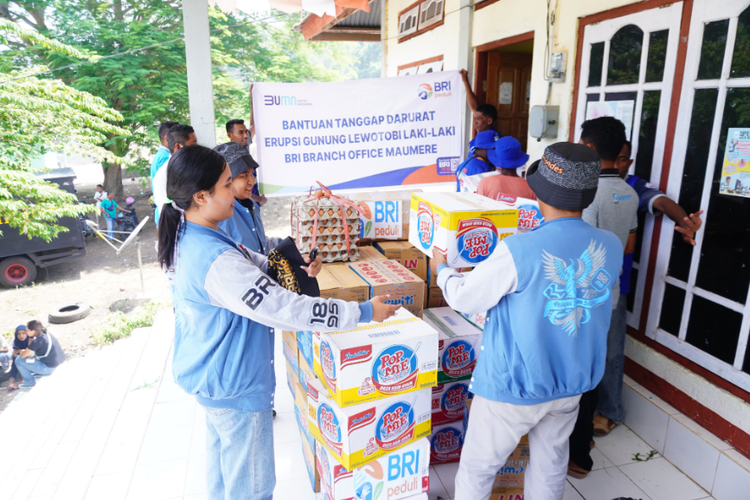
{"x": 41, "y": 357}
{"x": 245, "y": 225}
{"x": 20, "y": 342}
{"x": 506, "y": 157}
{"x": 478, "y": 163}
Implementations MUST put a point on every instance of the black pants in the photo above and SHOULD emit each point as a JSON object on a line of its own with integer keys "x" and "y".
{"x": 583, "y": 432}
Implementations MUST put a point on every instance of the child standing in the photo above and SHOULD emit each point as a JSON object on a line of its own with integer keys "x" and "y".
{"x": 225, "y": 307}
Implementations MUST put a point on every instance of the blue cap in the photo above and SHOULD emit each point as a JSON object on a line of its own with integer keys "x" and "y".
{"x": 484, "y": 140}
{"x": 507, "y": 153}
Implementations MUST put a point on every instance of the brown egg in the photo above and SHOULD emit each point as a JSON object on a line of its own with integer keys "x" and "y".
{"x": 305, "y": 238}
{"x": 319, "y": 193}
{"x": 324, "y": 254}
{"x": 330, "y": 211}
{"x": 352, "y": 251}
{"x": 321, "y": 246}
{"x": 321, "y": 212}
{"x": 339, "y": 245}
{"x": 311, "y": 212}
{"x": 341, "y": 229}
{"x": 348, "y": 211}
{"x": 350, "y": 228}
{"x": 324, "y": 238}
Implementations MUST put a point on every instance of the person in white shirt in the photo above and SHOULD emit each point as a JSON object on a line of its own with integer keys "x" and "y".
{"x": 100, "y": 195}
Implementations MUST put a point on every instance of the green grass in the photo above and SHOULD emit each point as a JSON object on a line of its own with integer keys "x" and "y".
{"x": 120, "y": 326}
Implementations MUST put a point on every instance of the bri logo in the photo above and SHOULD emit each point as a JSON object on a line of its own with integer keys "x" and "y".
{"x": 441, "y": 89}
{"x": 395, "y": 369}
{"x": 280, "y": 100}
{"x": 425, "y": 91}
{"x": 396, "y": 426}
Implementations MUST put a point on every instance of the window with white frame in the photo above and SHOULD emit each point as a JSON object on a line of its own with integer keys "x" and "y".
{"x": 700, "y": 303}
{"x": 408, "y": 22}
{"x": 430, "y": 12}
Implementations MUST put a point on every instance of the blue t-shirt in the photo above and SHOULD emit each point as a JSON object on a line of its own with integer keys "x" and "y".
{"x": 472, "y": 166}
{"x": 161, "y": 157}
{"x": 110, "y": 208}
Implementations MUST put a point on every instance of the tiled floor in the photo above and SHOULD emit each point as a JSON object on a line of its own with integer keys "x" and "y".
{"x": 113, "y": 425}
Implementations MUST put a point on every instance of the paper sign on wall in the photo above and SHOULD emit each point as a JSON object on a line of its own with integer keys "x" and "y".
{"x": 735, "y": 172}
{"x": 622, "y": 110}
{"x": 506, "y": 93}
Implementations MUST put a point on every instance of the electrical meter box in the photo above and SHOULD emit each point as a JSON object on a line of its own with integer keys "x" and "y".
{"x": 543, "y": 122}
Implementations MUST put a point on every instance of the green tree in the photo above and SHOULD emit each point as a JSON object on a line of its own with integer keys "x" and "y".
{"x": 36, "y": 114}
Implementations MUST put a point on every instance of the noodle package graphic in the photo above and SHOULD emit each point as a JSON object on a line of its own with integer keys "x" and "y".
{"x": 459, "y": 343}
{"x": 449, "y": 402}
{"x": 465, "y": 227}
{"x": 398, "y": 475}
{"x": 359, "y": 434}
{"x": 446, "y": 443}
{"x": 377, "y": 360}
{"x": 529, "y": 215}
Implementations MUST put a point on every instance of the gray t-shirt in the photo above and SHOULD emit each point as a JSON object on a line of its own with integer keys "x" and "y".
{"x": 614, "y": 209}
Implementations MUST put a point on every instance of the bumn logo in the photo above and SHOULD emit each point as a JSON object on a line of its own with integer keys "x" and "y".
{"x": 280, "y": 100}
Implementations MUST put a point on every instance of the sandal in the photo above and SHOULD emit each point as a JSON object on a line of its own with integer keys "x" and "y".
{"x": 576, "y": 471}
{"x": 603, "y": 425}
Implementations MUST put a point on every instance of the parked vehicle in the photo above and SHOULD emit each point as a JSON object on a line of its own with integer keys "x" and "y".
{"x": 20, "y": 256}
{"x": 127, "y": 221}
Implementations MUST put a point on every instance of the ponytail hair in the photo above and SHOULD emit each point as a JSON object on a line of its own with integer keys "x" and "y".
{"x": 190, "y": 170}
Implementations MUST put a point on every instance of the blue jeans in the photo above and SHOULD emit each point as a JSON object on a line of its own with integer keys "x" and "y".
{"x": 610, "y": 388}
{"x": 240, "y": 463}
{"x": 110, "y": 227}
{"x": 27, "y": 370}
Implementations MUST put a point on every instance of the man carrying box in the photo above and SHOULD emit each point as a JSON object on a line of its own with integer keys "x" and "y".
{"x": 548, "y": 296}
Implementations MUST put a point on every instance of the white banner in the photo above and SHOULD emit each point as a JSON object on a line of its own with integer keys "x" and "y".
{"x": 358, "y": 134}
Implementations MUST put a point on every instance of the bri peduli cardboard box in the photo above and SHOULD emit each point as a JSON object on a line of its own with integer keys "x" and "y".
{"x": 361, "y": 433}
{"x": 388, "y": 277}
{"x": 337, "y": 281}
{"x": 449, "y": 402}
{"x": 446, "y": 443}
{"x": 465, "y": 227}
{"x": 405, "y": 254}
{"x": 400, "y": 474}
{"x": 377, "y": 360}
{"x": 459, "y": 343}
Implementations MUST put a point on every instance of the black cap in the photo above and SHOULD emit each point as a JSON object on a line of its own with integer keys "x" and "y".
{"x": 237, "y": 157}
{"x": 566, "y": 177}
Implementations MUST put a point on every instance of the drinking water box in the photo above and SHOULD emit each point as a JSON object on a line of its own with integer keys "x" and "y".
{"x": 377, "y": 360}
{"x": 459, "y": 343}
{"x": 400, "y": 474}
{"x": 465, "y": 227}
{"x": 361, "y": 433}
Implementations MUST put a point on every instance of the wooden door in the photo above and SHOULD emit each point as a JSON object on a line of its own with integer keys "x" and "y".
{"x": 508, "y": 79}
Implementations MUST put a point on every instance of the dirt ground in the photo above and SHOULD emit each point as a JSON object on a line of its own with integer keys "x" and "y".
{"x": 102, "y": 279}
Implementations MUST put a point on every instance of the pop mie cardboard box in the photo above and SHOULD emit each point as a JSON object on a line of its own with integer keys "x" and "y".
{"x": 400, "y": 474}
{"x": 361, "y": 433}
{"x": 476, "y": 319}
{"x": 465, "y": 227}
{"x": 388, "y": 277}
{"x": 446, "y": 443}
{"x": 459, "y": 343}
{"x": 377, "y": 360}
{"x": 449, "y": 402}
{"x": 406, "y": 254}
{"x": 337, "y": 281}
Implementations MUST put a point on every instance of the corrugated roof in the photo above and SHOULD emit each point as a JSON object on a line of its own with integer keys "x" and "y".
{"x": 362, "y": 19}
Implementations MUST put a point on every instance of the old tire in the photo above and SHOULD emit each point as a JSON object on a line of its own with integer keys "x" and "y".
{"x": 17, "y": 271}
{"x": 69, "y": 313}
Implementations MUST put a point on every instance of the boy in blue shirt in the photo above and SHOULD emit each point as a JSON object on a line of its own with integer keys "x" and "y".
{"x": 109, "y": 208}
{"x": 548, "y": 294}
{"x": 478, "y": 163}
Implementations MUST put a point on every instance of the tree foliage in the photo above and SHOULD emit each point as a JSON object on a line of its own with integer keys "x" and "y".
{"x": 36, "y": 114}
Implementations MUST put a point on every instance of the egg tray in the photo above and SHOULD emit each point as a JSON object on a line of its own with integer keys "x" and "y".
{"x": 331, "y": 229}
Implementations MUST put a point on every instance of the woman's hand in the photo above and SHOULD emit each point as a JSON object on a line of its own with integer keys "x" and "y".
{"x": 382, "y": 311}
{"x": 313, "y": 269}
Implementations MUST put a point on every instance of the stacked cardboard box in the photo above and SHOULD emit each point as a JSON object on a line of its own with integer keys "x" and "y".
{"x": 406, "y": 254}
{"x": 388, "y": 277}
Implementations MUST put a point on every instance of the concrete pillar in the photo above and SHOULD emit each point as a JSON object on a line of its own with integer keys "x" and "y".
{"x": 465, "y": 55}
{"x": 200, "y": 81}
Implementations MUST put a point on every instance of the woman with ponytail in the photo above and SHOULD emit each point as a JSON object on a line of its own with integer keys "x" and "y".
{"x": 225, "y": 307}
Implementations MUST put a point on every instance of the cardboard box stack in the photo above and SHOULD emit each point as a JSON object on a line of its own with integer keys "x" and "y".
{"x": 406, "y": 254}
{"x": 466, "y": 227}
{"x": 368, "y": 433}
{"x": 388, "y": 277}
